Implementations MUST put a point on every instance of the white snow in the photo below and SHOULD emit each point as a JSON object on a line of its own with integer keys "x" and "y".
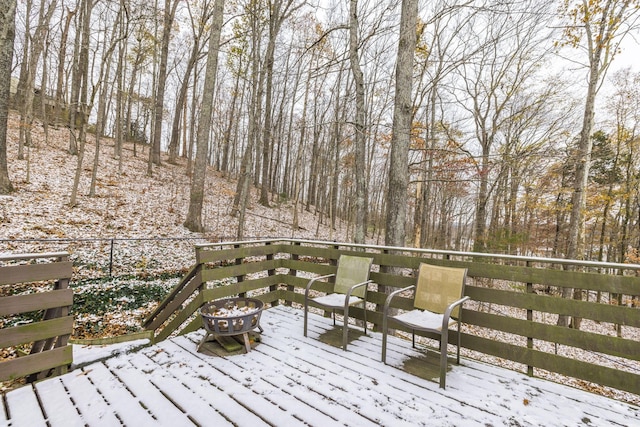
{"x": 85, "y": 354}
{"x": 291, "y": 380}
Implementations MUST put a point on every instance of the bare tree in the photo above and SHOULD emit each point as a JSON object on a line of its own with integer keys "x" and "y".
{"x": 198, "y": 29}
{"x": 194, "y": 216}
{"x": 7, "y": 35}
{"x": 279, "y": 11}
{"x": 506, "y": 59}
{"x": 30, "y": 64}
{"x": 359, "y": 122}
{"x": 402, "y": 115}
{"x": 597, "y": 27}
{"x": 83, "y": 88}
{"x": 161, "y": 80}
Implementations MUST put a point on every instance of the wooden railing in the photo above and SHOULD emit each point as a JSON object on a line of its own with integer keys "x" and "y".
{"x": 41, "y": 344}
{"x": 516, "y": 300}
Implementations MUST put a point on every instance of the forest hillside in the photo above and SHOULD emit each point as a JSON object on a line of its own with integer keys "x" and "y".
{"x": 130, "y": 204}
{"x": 116, "y": 286}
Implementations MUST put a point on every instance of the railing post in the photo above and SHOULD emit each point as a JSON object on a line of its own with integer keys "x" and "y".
{"x": 529, "y": 319}
{"x": 292, "y": 272}
{"x": 202, "y": 286}
{"x": 272, "y": 272}
{"x": 240, "y": 278}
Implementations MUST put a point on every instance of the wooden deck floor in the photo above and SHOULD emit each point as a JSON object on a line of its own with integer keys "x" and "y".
{"x": 290, "y": 380}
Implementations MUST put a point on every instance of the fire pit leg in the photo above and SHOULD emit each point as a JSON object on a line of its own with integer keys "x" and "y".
{"x": 247, "y": 344}
{"x": 206, "y": 337}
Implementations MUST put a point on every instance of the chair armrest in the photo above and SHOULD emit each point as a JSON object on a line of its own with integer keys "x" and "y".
{"x": 387, "y": 303}
{"x": 312, "y": 281}
{"x": 354, "y": 287}
{"x": 358, "y": 285}
{"x": 447, "y": 312}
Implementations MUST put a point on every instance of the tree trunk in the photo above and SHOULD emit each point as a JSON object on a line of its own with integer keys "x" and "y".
{"x": 194, "y": 216}
{"x": 62, "y": 53}
{"x": 28, "y": 85}
{"x": 158, "y": 110}
{"x": 255, "y": 113}
{"x": 83, "y": 74}
{"x": 360, "y": 148}
{"x": 7, "y": 35}
{"x": 76, "y": 81}
{"x": 181, "y": 101}
{"x": 400, "y": 140}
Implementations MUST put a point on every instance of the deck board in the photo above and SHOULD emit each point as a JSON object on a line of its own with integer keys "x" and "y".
{"x": 56, "y": 404}
{"x": 289, "y": 379}
{"x": 24, "y": 408}
{"x": 147, "y": 393}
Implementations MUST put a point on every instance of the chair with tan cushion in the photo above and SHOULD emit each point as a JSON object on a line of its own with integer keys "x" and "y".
{"x": 349, "y": 289}
{"x": 438, "y": 298}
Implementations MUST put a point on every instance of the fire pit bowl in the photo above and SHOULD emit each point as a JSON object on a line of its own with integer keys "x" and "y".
{"x": 231, "y": 316}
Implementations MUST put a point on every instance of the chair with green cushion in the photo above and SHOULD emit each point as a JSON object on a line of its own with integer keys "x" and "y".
{"x": 349, "y": 289}
{"x": 438, "y": 297}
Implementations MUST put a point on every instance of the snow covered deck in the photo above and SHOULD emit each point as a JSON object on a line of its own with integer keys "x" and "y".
{"x": 291, "y": 380}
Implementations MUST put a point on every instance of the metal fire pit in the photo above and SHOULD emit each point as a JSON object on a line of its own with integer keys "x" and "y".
{"x": 231, "y": 317}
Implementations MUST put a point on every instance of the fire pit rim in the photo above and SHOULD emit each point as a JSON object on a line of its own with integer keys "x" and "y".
{"x": 247, "y": 321}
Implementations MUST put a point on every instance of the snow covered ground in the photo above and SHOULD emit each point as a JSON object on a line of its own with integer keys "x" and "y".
{"x": 127, "y": 204}
{"x": 290, "y": 380}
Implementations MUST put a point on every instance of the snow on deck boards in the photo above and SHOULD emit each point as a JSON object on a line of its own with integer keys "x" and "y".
{"x": 290, "y": 380}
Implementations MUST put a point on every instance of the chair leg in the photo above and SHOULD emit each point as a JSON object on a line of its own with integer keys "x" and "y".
{"x": 365, "y": 317}
{"x": 458, "y": 348}
{"x": 444, "y": 338}
{"x": 384, "y": 338}
{"x": 306, "y": 307}
{"x": 413, "y": 338}
{"x": 345, "y": 330}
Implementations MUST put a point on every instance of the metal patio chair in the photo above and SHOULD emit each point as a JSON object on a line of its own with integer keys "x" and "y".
{"x": 438, "y": 298}
{"x": 349, "y": 289}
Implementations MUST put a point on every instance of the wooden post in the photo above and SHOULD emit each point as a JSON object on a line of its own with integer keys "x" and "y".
{"x": 530, "y": 319}
{"x": 272, "y": 272}
{"x": 240, "y": 278}
{"x": 292, "y": 272}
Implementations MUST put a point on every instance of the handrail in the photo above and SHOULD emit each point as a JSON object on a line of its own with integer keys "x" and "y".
{"x": 22, "y": 257}
{"x": 546, "y": 260}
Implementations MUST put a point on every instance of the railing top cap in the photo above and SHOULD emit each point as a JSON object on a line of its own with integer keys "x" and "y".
{"x": 561, "y": 261}
{"x": 19, "y": 257}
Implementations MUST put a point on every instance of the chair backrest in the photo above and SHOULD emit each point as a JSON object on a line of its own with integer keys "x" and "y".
{"x": 351, "y": 271}
{"x": 437, "y": 287}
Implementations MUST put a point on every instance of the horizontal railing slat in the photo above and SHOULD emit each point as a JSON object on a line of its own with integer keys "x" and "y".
{"x": 225, "y": 272}
{"x": 36, "y": 331}
{"x": 38, "y": 362}
{"x": 13, "y": 274}
{"x": 602, "y": 375}
{"x": 599, "y": 312}
{"x": 212, "y": 255}
{"x": 556, "y": 277}
{"x": 17, "y": 304}
{"x": 606, "y": 344}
